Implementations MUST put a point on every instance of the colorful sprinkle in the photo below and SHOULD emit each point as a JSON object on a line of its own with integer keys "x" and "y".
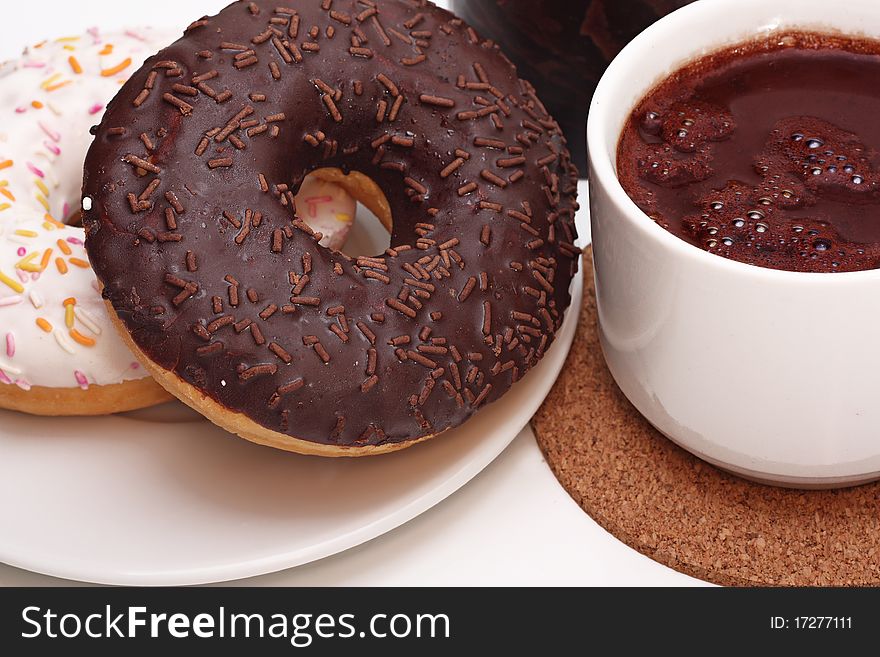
{"x": 121, "y": 66}
{"x": 63, "y": 342}
{"x": 55, "y": 87}
{"x": 10, "y": 301}
{"x": 61, "y": 265}
{"x": 44, "y": 262}
{"x": 50, "y": 80}
{"x": 315, "y": 201}
{"x": 79, "y": 262}
{"x": 81, "y": 380}
{"x": 87, "y": 320}
{"x": 54, "y": 221}
{"x": 10, "y": 344}
{"x": 9, "y": 369}
{"x": 75, "y": 65}
{"x": 44, "y": 324}
{"x": 11, "y": 282}
{"x": 54, "y": 136}
{"x": 81, "y": 339}
{"x": 27, "y": 263}
{"x": 64, "y": 248}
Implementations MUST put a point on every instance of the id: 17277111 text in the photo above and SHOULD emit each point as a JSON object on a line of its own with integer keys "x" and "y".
{"x": 811, "y": 623}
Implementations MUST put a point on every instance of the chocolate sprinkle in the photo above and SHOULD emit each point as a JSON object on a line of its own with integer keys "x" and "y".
{"x": 184, "y": 107}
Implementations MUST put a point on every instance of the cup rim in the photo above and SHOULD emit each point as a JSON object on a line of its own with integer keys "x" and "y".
{"x": 602, "y": 168}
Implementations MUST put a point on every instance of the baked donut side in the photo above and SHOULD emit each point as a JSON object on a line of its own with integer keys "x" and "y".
{"x": 82, "y": 402}
{"x": 225, "y": 292}
{"x": 242, "y": 426}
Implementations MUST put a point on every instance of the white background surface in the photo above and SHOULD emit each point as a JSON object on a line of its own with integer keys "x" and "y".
{"x": 512, "y": 525}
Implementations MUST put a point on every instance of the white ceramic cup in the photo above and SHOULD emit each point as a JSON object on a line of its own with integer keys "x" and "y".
{"x": 770, "y": 374}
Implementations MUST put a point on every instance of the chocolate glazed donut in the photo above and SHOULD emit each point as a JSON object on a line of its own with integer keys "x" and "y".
{"x": 226, "y": 295}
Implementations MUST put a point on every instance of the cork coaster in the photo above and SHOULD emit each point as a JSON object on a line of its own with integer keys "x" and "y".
{"x": 682, "y": 512}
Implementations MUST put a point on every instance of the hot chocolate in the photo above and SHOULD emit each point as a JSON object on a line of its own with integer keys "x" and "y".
{"x": 765, "y": 153}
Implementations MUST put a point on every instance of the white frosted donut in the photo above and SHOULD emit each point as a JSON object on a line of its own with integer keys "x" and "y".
{"x": 57, "y": 358}
{"x": 59, "y": 353}
{"x": 327, "y": 208}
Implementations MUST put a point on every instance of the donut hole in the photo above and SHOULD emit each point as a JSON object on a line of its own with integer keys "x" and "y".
{"x": 371, "y": 232}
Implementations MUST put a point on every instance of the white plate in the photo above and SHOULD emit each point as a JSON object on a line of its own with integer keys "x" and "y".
{"x": 163, "y": 497}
